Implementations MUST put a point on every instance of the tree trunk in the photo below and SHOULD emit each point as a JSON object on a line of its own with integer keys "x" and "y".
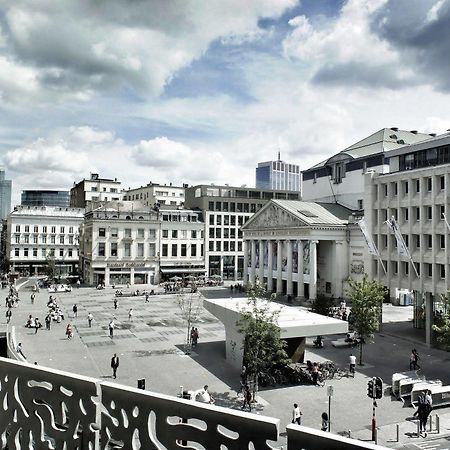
{"x": 360, "y": 352}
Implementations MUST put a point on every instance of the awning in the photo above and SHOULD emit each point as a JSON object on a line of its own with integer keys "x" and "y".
{"x": 178, "y": 270}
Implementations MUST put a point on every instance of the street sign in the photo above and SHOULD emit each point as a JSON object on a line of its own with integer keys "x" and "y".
{"x": 330, "y": 390}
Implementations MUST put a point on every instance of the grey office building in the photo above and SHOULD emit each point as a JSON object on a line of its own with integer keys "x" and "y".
{"x": 5, "y": 195}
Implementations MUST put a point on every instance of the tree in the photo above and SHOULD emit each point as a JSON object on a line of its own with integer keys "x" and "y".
{"x": 263, "y": 347}
{"x": 367, "y": 302}
{"x": 442, "y": 328}
{"x": 190, "y": 305}
{"x": 322, "y": 305}
{"x": 51, "y": 267}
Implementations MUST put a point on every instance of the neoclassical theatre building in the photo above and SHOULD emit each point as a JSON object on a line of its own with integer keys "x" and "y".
{"x": 303, "y": 249}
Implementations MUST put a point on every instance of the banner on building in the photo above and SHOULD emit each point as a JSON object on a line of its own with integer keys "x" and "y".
{"x": 371, "y": 247}
{"x": 295, "y": 257}
{"x": 402, "y": 249}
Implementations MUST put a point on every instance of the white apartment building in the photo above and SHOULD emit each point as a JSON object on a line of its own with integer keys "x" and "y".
{"x": 416, "y": 193}
{"x": 119, "y": 245}
{"x": 182, "y": 243}
{"x": 157, "y": 195}
{"x": 34, "y": 233}
{"x": 339, "y": 178}
{"x": 95, "y": 189}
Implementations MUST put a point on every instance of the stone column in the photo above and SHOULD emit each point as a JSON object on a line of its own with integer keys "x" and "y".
{"x": 339, "y": 264}
{"x": 132, "y": 275}
{"x": 269, "y": 266}
{"x": 313, "y": 270}
{"x": 245, "y": 277}
{"x": 279, "y": 268}
{"x": 301, "y": 283}
{"x": 107, "y": 281}
{"x": 261, "y": 262}
{"x": 428, "y": 318}
{"x": 289, "y": 287}
{"x": 252, "y": 262}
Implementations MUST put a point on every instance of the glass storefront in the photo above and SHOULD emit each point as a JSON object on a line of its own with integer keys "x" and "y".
{"x": 228, "y": 267}
{"x": 214, "y": 265}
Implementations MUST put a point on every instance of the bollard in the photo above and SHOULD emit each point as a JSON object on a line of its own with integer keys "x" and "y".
{"x": 349, "y": 434}
{"x": 438, "y": 424}
{"x": 181, "y": 391}
{"x": 418, "y": 428}
{"x": 376, "y": 435}
{"x": 398, "y": 433}
{"x": 431, "y": 423}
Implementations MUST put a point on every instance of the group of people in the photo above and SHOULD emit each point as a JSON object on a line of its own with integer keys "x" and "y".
{"x": 297, "y": 418}
{"x": 194, "y": 336}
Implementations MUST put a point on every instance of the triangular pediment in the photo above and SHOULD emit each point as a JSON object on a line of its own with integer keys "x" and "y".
{"x": 272, "y": 216}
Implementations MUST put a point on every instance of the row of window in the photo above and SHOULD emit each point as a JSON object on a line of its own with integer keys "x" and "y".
{"x": 428, "y": 184}
{"x": 182, "y": 234}
{"x": 95, "y": 189}
{"x": 234, "y": 207}
{"x": 127, "y": 249}
{"x": 225, "y": 246}
{"x": 416, "y": 213}
{"x": 417, "y": 241}
{"x": 127, "y": 233}
{"x": 226, "y": 233}
{"x": 428, "y": 269}
{"x": 44, "y": 252}
{"x": 43, "y": 229}
{"x": 181, "y": 250}
{"x": 227, "y": 220}
{"x": 44, "y": 239}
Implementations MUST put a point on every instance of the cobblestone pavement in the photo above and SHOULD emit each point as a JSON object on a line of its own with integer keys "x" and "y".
{"x": 151, "y": 346}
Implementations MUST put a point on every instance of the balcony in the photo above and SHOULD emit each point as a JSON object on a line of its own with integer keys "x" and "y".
{"x": 74, "y": 411}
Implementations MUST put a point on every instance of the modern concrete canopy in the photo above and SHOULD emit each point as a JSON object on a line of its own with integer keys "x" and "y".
{"x": 295, "y": 325}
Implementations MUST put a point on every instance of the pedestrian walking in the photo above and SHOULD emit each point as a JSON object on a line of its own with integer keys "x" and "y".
{"x": 325, "y": 421}
{"x": 247, "y": 398}
{"x": 75, "y": 310}
{"x": 115, "y": 303}
{"x": 114, "y": 364}
{"x": 352, "y": 364}
{"x": 19, "y": 350}
{"x": 48, "y": 321}
{"x": 130, "y": 314}
{"x": 195, "y": 337}
{"x": 78, "y": 283}
{"x": 111, "y": 328}
{"x": 90, "y": 317}
{"x": 424, "y": 409}
{"x": 296, "y": 415}
{"x": 414, "y": 360}
{"x": 37, "y": 325}
{"x": 69, "y": 331}
{"x": 146, "y": 297}
{"x": 32, "y": 297}
{"x": 8, "y": 315}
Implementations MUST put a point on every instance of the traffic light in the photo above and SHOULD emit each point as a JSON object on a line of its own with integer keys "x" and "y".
{"x": 370, "y": 389}
{"x": 378, "y": 387}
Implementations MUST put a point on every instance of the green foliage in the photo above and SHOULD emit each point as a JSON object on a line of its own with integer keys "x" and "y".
{"x": 263, "y": 347}
{"x": 51, "y": 266}
{"x": 442, "y": 328}
{"x": 322, "y": 305}
{"x": 367, "y": 300}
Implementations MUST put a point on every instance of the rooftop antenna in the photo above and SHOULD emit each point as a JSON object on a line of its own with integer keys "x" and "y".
{"x": 279, "y": 156}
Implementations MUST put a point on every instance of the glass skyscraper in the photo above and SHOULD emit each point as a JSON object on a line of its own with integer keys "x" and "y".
{"x": 5, "y": 195}
{"x": 278, "y": 175}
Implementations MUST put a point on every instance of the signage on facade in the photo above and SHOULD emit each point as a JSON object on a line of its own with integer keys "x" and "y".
{"x": 126, "y": 264}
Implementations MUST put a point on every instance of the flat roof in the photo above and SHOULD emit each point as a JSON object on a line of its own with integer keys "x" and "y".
{"x": 293, "y": 321}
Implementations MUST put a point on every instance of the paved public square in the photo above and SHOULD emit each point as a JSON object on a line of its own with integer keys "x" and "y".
{"x": 150, "y": 346}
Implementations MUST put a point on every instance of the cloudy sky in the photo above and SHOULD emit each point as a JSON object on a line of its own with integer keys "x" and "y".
{"x": 188, "y": 91}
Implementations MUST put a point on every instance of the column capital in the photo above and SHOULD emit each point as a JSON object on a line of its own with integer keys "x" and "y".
{"x": 339, "y": 242}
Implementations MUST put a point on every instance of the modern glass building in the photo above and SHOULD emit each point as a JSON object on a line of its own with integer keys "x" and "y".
{"x": 5, "y": 195}
{"x": 278, "y": 175}
{"x": 46, "y": 198}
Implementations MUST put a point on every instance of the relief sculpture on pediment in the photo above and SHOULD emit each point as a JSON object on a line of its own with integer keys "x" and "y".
{"x": 273, "y": 218}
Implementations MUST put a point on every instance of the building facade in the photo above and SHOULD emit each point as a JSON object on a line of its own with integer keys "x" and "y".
{"x": 340, "y": 178}
{"x": 119, "y": 245}
{"x": 157, "y": 195}
{"x": 5, "y": 195}
{"x": 415, "y": 193}
{"x": 36, "y": 233}
{"x": 45, "y": 198}
{"x": 182, "y": 243}
{"x": 225, "y": 209}
{"x": 303, "y": 249}
{"x": 95, "y": 189}
{"x": 278, "y": 175}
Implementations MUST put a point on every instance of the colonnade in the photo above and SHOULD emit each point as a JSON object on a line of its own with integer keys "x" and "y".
{"x": 284, "y": 269}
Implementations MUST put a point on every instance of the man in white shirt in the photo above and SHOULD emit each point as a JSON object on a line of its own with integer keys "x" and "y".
{"x": 296, "y": 415}
{"x": 352, "y": 361}
{"x": 205, "y": 396}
